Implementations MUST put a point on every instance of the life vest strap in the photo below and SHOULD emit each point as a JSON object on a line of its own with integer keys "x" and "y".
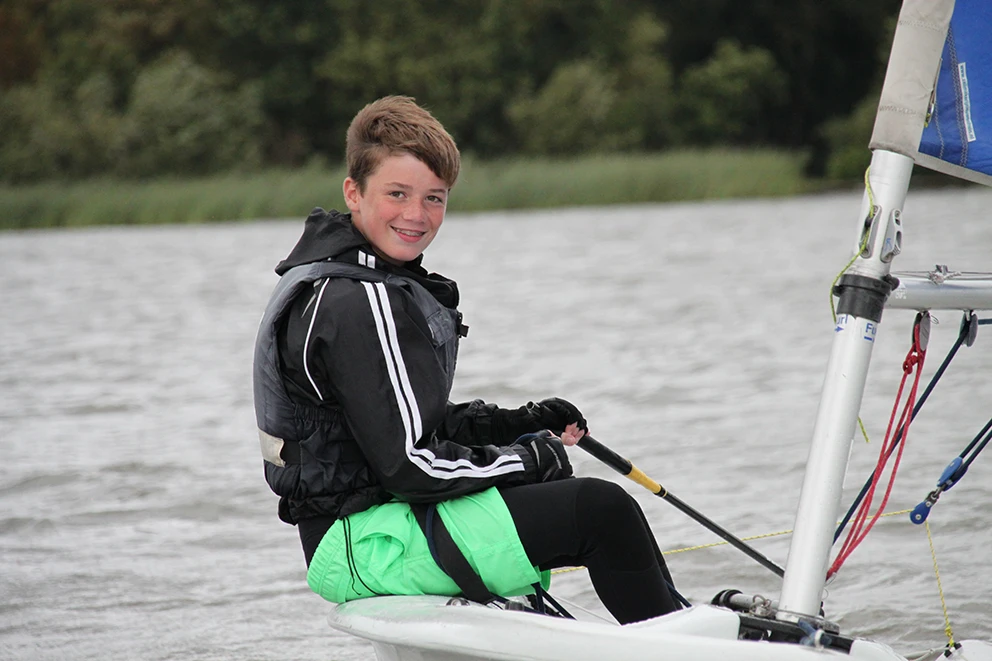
{"x": 448, "y": 556}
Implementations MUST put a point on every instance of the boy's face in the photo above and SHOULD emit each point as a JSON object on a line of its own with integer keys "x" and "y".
{"x": 402, "y": 207}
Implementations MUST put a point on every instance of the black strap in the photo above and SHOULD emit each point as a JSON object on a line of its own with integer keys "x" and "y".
{"x": 448, "y": 556}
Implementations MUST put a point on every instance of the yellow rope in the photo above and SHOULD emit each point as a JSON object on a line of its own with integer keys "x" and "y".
{"x": 871, "y": 195}
{"x": 861, "y": 248}
{"x": 864, "y": 432}
{"x": 707, "y": 546}
{"x": 565, "y": 570}
{"x": 940, "y": 589}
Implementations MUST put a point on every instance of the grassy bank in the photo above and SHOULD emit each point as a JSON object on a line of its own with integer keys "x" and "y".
{"x": 509, "y": 184}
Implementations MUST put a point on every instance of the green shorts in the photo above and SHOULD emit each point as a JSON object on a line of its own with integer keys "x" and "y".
{"x": 383, "y": 551}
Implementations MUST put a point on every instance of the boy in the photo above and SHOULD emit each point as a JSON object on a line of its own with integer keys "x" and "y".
{"x": 354, "y": 364}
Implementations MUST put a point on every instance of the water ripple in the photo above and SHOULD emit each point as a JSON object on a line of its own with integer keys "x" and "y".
{"x": 136, "y": 522}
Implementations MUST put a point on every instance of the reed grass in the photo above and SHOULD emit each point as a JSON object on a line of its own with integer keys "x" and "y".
{"x": 506, "y": 184}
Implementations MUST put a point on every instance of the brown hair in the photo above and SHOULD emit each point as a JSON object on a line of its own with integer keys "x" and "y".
{"x": 394, "y": 125}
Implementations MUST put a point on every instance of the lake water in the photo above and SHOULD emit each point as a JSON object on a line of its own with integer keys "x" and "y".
{"x": 135, "y": 522}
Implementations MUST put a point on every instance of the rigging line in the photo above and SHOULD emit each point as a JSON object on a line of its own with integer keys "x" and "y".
{"x": 861, "y": 248}
{"x": 700, "y": 547}
{"x": 554, "y": 602}
{"x": 914, "y": 359}
{"x": 871, "y": 196}
{"x": 953, "y": 474}
{"x": 985, "y": 430}
{"x": 940, "y": 590}
{"x": 864, "y": 432}
{"x": 962, "y": 336}
{"x": 762, "y": 536}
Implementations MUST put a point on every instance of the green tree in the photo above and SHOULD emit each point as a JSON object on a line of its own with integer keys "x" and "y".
{"x": 841, "y": 147}
{"x": 279, "y": 45}
{"x": 64, "y": 117}
{"x": 571, "y": 112}
{"x": 826, "y": 50}
{"x": 847, "y": 139}
{"x": 76, "y": 76}
{"x": 185, "y": 118}
{"x": 437, "y": 52}
{"x": 727, "y": 98}
{"x": 600, "y": 104}
{"x": 646, "y": 98}
{"x": 49, "y": 136}
{"x": 21, "y": 42}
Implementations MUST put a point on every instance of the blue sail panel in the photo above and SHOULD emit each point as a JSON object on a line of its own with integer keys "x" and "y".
{"x": 959, "y": 132}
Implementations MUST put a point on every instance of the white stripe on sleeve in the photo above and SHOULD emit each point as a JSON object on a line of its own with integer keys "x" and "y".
{"x": 407, "y": 402}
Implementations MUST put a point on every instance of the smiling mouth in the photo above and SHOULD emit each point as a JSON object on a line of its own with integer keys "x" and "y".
{"x": 413, "y": 234}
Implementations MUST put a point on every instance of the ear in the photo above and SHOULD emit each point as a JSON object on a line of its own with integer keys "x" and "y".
{"x": 352, "y": 195}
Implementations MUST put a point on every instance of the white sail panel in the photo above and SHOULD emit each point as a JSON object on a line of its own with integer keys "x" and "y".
{"x": 909, "y": 78}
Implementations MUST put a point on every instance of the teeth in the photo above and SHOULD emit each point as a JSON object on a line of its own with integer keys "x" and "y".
{"x": 410, "y": 233}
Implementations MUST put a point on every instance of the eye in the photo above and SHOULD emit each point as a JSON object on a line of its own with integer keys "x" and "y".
{"x": 436, "y": 199}
{"x": 398, "y": 194}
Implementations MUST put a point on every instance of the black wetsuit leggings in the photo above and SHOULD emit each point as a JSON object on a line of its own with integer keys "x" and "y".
{"x": 592, "y": 522}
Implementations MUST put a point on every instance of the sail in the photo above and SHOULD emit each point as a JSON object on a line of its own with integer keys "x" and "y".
{"x": 936, "y": 103}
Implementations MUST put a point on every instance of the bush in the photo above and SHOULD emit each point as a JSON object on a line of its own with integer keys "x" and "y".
{"x": 186, "y": 119}
{"x": 646, "y": 101}
{"x": 181, "y": 119}
{"x": 594, "y": 105}
{"x": 723, "y": 100}
{"x": 847, "y": 141}
{"x": 570, "y": 114}
{"x": 45, "y": 137}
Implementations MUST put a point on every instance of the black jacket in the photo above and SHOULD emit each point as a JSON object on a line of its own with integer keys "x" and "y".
{"x": 361, "y": 362}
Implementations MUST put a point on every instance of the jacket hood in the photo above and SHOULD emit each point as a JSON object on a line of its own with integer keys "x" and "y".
{"x": 332, "y": 235}
{"x": 326, "y": 235}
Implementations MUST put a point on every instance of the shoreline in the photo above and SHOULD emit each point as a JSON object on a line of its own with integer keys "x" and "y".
{"x": 511, "y": 184}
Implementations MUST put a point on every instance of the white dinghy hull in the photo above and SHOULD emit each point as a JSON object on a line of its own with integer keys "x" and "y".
{"x": 421, "y": 628}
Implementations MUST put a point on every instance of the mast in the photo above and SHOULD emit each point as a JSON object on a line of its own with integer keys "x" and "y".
{"x": 862, "y": 292}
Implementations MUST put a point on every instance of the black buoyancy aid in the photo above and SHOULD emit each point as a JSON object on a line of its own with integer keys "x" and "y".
{"x": 283, "y": 422}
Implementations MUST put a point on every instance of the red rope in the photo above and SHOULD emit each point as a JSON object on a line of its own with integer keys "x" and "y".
{"x": 859, "y": 529}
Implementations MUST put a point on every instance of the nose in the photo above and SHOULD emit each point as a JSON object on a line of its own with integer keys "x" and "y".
{"x": 413, "y": 211}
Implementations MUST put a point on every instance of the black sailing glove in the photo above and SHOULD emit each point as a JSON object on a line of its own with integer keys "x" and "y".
{"x": 553, "y": 414}
{"x": 560, "y": 413}
{"x": 548, "y": 454}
